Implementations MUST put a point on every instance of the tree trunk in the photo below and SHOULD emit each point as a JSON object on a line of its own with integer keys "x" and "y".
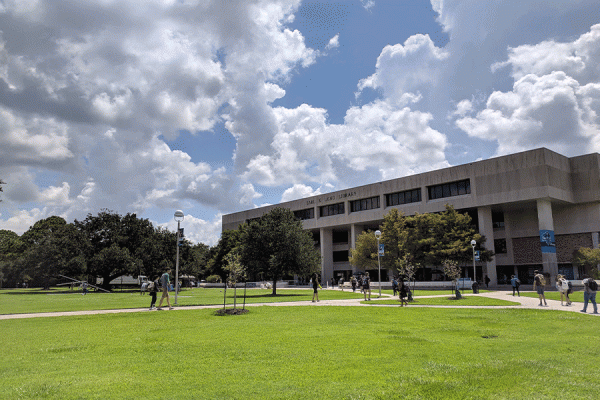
{"x": 274, "y": 286}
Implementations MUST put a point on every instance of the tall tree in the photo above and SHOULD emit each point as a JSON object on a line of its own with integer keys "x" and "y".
{"x": 276, "y": 245}
{"x": 587, "y": 259}
{"x": 364, "y": 254}
{"x": 116, "y": 244}
{"x": 53, "y": 248}
{"x": 229, "y": 240}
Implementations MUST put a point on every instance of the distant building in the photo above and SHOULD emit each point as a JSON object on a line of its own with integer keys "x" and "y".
{"x": 535, "y": 209}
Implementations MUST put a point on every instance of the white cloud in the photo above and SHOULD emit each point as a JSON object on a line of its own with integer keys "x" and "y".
{"x": 554, "y": 101}
{"x": 367, "y": 4}
{"x": 299, "y": 191}
{"x": 333, "y": 42}
{"x": 197, "y": 230}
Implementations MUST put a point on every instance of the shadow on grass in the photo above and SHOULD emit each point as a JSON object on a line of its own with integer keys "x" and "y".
{"x": 268, "y": 296}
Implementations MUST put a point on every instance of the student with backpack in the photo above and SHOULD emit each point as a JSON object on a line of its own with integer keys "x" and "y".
{"x": 589, "y": 294}
{"x": 562, "y": 285}
{"x": 515, "y": 282}
{"x": 153, "y": 289}
{"x": 538, "y": 284}
{"x": 366, "y": 285}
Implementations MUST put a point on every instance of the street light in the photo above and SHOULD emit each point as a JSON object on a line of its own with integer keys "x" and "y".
{"x": 473, "y": 243}
{"x": 178, "y": 218}
{"x": 378, "y": 236}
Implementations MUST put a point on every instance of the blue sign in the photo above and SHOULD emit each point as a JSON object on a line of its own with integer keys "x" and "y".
{"x": 381, "y": 252}
{"x": 477, "y": 255}
{"x": 547, "y": 241}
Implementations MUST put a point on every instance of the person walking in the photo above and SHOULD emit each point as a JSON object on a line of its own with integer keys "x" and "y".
{"x": 366, "y": 285}
{"x": 84, "y": 288}
{"x": 589, "y": 293}
{"x": 316, "y": 286}
{"x": 353, "y": 283}
{"x": 562, "y": 285}
{"x": 165, "y": 282}
{"x": 403, "y": 293}
{"x": 538, "y": 285}
{"x": 487, "y": 281}
{"x": 153, "y": 289}
{"x": 395, "y": 285}
{"x": 515, "y": 282}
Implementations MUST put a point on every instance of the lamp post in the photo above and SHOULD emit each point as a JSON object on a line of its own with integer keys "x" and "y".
{"x": 178, "y": 218}
{"x": 378, "y": 236}
{"x": 473, "y": 243}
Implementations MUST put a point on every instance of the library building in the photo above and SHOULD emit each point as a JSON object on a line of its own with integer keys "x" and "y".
{"x": 535, "y": 208}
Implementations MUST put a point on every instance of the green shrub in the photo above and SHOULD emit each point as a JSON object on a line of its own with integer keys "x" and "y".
{"x": 214, "y": 279}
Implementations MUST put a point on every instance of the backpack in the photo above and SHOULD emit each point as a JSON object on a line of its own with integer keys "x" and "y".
{"x": 592, "y": 284}
{"x": 517, "y": 282}
{"x": 537, "y": 280}
{"x": 150, "y": 286}
{"x": 540, "y": 280}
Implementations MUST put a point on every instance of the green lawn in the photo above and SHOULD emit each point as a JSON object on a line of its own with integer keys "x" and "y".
{"x": 445, "y": 301}
{"x": 424, "y": 292}
{"x": 16, "y": 301}
{"x": 303, "y": 353}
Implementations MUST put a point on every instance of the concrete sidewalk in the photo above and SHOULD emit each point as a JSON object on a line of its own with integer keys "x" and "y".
{"x": 525, "y": 302}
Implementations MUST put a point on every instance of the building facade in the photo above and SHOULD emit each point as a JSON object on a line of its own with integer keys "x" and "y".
{"x": 535, "y": 208}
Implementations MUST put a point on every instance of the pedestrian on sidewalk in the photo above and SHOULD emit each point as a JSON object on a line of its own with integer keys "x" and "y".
{"x": 538, "y": 284}
{"x": 165, "y": 282}
{"x": 153, "y": 289}
{"x": 515, "y": 282}
{"x": 403, "y": 293}
{"x": 366, "y": 284}
{"x": 353, "y": 283}
{"x": 487, "y": 281}
{"x": 589, "y": 293}
{"x": 395, "y": 285}
{"x": 316, "y": 286}
{"x": 562, "y": 285}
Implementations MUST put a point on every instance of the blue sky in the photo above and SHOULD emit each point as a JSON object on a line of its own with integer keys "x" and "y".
{"x": 214, "y": 107}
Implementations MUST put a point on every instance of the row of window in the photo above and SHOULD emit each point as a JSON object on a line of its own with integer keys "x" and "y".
{"x": 449, "y": 189}
{"x": 364, "y": 204}
{"x": 392, "y": 199}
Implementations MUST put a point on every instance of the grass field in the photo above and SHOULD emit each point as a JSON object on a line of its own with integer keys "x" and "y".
{"x": 303, "y": 353}
{"x": 575, "y": 296}
{"x": 17, "y": 301}
{"x": 445, "y": 301}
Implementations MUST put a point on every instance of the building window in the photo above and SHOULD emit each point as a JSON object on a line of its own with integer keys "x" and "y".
{"x": 308, "y": 213}
{"x": 498, "y": 220}
{"x": 449, "y": 189}
{"x": 340, "y": 256}
{"x": 338, "y": 237}
{"x": 332, "y": 209}
{"x": 500, "y": 246}
{"x": 408, "y": 196}
{"x": 364, "y": 204}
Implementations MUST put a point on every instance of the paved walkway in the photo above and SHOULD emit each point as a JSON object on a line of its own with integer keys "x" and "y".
{"x": 525, "y": 302}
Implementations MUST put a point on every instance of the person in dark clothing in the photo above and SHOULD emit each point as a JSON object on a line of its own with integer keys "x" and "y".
{"x": 403, "y": 294}
{"x": 316, "y": 286}
{"x": 395, "y": 285}
{"x": 487, "y": 281}
{"x": 153, "y": 289}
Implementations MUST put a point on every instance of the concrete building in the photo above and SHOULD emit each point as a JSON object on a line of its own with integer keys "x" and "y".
{"x": 535, "y": 208}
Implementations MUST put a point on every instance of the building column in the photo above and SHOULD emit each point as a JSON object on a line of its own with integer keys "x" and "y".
{"x": 486, "y": 228}
{"x": 326, "y": 255}
{"x": 355, "y": 231}
{"x": 546, "y": 227}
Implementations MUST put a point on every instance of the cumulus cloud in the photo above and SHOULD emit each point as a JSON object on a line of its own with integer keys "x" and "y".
{"x": 198, "y": 230}
{"x": 299, "y": 191}
{"x": 554, "y": 101}
{"x": 333, "y": 42}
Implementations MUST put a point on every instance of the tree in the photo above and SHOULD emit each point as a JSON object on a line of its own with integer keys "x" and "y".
{"x": 394, "y": 235}
{"x": 11, "y": 249}
{"x": 587, "y": 259}
{"x": 229, "y": 240}
{"x": 53, "y": 248}
{"x": 452, "y": 271}
{"x": 117, "y": 245}
{"x": 236, "y": 270}
{"x": 364, "y": 254}
{"x": 276, "y": 245}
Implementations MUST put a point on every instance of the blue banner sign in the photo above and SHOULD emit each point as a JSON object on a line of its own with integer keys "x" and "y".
{"x": 381, "y": 252}
{"x": 547, "y": 241}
